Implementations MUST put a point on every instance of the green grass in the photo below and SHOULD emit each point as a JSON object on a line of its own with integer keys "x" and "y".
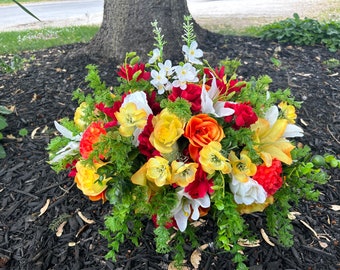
{"x": 10, "y": 2}
{"x": 31, "y": 40}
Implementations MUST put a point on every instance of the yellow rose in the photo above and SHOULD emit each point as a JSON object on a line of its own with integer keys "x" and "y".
{"x": 87, "y": 179}
{"x": 167, "y": 129}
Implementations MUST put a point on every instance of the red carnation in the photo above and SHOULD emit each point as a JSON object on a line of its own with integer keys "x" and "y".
{"x": 244, "y": 116}
{"x": 201, "y": 185}
{"x": 126, "y": 72}
{"x": 145, "y": 147}
{"x": 90, "y": 136}
{"x": 192, "y": 94}
{"x": 269, "y": 177}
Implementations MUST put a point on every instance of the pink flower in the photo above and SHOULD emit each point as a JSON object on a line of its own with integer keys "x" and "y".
{"x": 269, "y": 177}
{"x": 244, "y": 116}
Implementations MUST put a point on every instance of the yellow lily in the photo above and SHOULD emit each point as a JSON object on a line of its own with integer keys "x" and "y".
{"x": 270, "y": 142}
{"x": 242, "y": 167}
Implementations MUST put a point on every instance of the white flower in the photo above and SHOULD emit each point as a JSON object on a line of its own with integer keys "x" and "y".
{"x": 159, "y": 79}
{"x": 156, "y": 53}
{"x": 247, "y": 192}
{"x": 208, "y": 105}
{"x": 167, "y": 67}
{"x": 291, "y": 131}
{"x": 71, "y": 148}
{"x": 188, "y": 207}
{"x": 184, "y": 74}
{"x": 192, "y": 53}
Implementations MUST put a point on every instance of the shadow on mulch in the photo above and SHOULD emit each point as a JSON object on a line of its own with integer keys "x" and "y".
{"x": 42, "y": 93}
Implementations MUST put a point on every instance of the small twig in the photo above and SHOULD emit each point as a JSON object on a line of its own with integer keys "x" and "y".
{"x": 332, "y": 135}
{"x": 24, "y": 192}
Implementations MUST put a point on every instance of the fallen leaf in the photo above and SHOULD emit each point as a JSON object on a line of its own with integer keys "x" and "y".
{"x": 34, "y": 98}
{"x": 72, "y": 244}
{"x": 60, "y": 229}
{"x": 335, "y": 207}
{"x": 323, "y": 244}
{"x": 196, "y": 256}
{"x": 266, "y": 238}
{"x": 246, "y": 243}
{"x": 34, "y": 132}
{"x": 309, "y": 227}
{"x": 85, "y": 219}
{"x": 292, "y": 215}
{"x": 44, "y": 129}
{"x": 44, "y": 208}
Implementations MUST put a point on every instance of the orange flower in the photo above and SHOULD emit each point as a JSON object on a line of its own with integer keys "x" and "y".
{"x": 90, "y": 137}
{"x": 201, "y": 130}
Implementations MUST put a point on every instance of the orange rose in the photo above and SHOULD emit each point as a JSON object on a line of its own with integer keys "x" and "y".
{"x": 200, "y": 131}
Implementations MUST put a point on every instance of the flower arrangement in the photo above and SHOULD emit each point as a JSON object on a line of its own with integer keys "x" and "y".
{"x": 178, "y": 142}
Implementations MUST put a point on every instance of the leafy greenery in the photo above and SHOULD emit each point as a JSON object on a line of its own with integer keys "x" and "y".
{"x": 3, "y": 124}
{"x": 16, "y": 63}
{"x": 303, "y": 32}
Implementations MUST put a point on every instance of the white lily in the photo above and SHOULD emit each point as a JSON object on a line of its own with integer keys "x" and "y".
{"x": 71, "y": 148}
{"x": 188, "y": 207}
{"x": 208, "y": 105}
{"x": 291, "y": 131}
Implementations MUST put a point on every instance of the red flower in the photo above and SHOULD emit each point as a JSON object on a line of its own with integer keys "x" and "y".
{"x": 269, "y": 177}
{"x": 244, "y": 116}
{"x": 168, "y": 225}
{"x": 201, "y": 185}
{"x": 90, "y": 136}
{"x": 219, "y": 74}
{"x": 192, "y": 94}
{"x": 154, "y": 105}
{"x": 73, "y": 170}
{"x": 145, "y": 147}
{"x": 126, "y": 72}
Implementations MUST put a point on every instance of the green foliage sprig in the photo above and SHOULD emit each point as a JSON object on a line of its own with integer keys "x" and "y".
{"x": 3, "y": 124}
{"x": 306, "y": 31}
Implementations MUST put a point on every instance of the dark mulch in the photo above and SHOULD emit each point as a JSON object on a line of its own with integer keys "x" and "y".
{"x": 42, "y": 93}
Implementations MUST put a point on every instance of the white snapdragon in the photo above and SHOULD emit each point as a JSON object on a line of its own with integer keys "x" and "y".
{"x": 184, "y": 74}
{"x": 247, "y": 192}
{"x": 192, "y": 53}
{"x": 156, "y": 53}
{"x": 188, "y": 207}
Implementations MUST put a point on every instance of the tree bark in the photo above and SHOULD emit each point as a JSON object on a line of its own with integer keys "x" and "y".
{"x": 127, "y": 27}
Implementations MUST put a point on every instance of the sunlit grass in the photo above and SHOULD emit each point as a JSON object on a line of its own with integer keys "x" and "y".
{"x": 31, "y": 40}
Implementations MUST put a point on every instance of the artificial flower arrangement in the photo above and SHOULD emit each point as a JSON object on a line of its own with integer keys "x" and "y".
{"x": 177, "y": 142}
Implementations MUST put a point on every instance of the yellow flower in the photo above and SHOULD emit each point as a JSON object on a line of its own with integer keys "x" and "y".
{"x": 130, "y": 118}
{"x": 212, "y": 160}
{"x": 167, "y": 129}
{"x": 156, "y": 170}
{"x": 242, "y": 167}
{"x": 87, "y": 179}
{"x": 288, "y": 112}
{"x": 270, "y": 142}
{"x": 183, "y": 173}
{"x": 78, "y": 116}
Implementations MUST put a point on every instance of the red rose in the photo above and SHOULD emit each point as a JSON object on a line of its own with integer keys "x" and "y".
{"x": 269, "y": 177}
{"x": 244, "y": 116}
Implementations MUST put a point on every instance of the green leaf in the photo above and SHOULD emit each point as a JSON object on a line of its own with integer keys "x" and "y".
{"x": 3, "y": 122}
{"x": 4, "y": 110}
{"x": 2, "y": 152}
{"x": 26, "y": 10}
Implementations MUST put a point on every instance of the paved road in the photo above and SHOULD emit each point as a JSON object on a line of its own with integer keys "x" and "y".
{"x": 59, "y": 13}
{"x": 234, "y": 13}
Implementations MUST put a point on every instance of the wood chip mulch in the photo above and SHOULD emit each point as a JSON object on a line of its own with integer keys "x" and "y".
{"x": 35, "y": 200}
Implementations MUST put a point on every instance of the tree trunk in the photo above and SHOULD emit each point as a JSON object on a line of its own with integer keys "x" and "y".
{"x": 127, "y": 27}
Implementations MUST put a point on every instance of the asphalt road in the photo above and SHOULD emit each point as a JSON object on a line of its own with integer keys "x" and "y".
{"x": 234, "y": 13}
{"x": 57, "y": 13}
